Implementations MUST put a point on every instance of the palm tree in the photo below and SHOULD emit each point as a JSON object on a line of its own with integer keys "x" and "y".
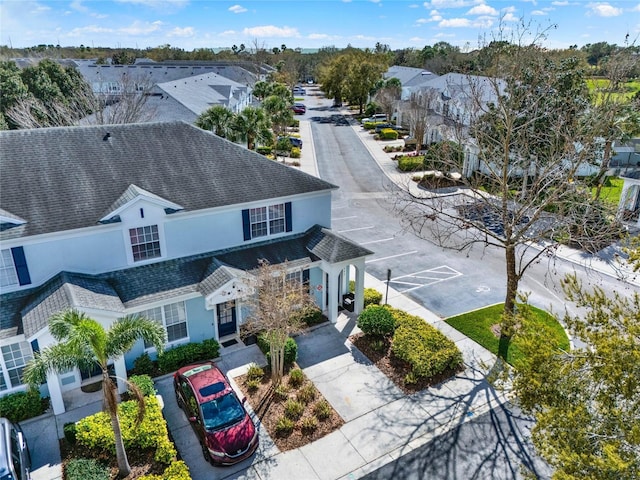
{"x": 253, "y": 125}
{"x": 84, "y": 343}
{"x": 279, "y": 111}
{"x": 219, "y": 120}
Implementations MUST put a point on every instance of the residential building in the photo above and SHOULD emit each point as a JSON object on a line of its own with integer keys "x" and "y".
{"x": 163, "y": 220}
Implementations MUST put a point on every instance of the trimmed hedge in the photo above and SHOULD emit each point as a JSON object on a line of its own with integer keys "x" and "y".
{"x": 177, "y": 470}
{"x": 95, "y": 432}
{"x": 264, "y": 150}
{"x": 85, "y": 469}
{"x": 407, "y": 163}
{"x": 295, "y": 152}
{"x": 388, "y": 134}
{"x": 427, "y": 350}
{"x": 311, "y": 315}
{"x": 290, "y": 350}
{"x": 22, "y": 405}
{"x": 376, "y": 320}
{"x": 171, "y": 360}
{"x": 144, "y": 383}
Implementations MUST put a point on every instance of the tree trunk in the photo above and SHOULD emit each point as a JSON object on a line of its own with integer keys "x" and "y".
{"x": 509, "y": 302}
{"x": 111, "y": 404}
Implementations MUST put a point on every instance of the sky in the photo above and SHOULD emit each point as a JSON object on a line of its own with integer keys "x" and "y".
{"x": 191, "y": 24}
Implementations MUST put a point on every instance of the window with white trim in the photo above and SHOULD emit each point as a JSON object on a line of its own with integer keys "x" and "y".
{"x": 8, "y": 275}
{"x": 267, "y": 220}
{"x": 145, "y": 242}
{"x": 13, "y": 359}
{"x": 172, "y": 317}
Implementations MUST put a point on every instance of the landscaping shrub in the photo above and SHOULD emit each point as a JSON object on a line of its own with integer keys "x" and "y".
{"x": 310, "y": 315}
{"x": 296, "y": 377}
{"x": 409, "y": 163}
{"x": 171, "y": 360}
{"x": 426, "y": 349}
{"x": 22, "y": 405}
{"x": 290, "y": 349}
{"x": 281, "y": 392}
{"x": 372, "y": 297}
{"x": 85, "y": 469}
{"x": 264, "y": 150}
{"x": 376, "y": 320}
{"x": 309, "y": 424}
{"x": 295, "y": 152}
{"x": 94, "y": 431}
{"x": 69, "y": 430}
{"x": 322, "y": 410}
{"x": 252, "y": 385}
{"x": 293, "y": 409}
{"x": 306, "y": 394}
{"x": 388, "y": 134}
{"x": 143, "y": 365}
{"x": 255, "y": 372}
{"x": 285, "y": 426}
{"x": 144, "y": 383}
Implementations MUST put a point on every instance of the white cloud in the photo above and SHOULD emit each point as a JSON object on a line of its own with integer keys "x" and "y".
{"x": 510, "y": 17}
{"x": 78, "y": 6}
{"x": 482, "y": 10}
{"x": 141, "y": 28}
{"x": 560, "y": 4}
{"x": 237, "y": 9}
{"x": 78, "y": 32}
{"x": 604, "y": 10}
{"x": 510, "y": 9}
{"x": 414, "y": 5}
{"x": 228, "y": 33}
{"x": 455, "y": 22}
{"x": 538, "y": 12}
{"x": 636, "y": 8}
{"x": 158, "y": 4}
{"x": 40, "y": 9}
{"x": 318, "y": 36}
{"x": 422, "y": 21}
{"x": 452, "y": 3}
{"x": 182, "y": 32}
{"x": 271, "y": 31}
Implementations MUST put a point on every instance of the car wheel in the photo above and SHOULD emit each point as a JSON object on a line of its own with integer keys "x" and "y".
{"x": 205, "y": 452}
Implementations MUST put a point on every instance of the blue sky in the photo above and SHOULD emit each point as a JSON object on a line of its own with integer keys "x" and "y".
{"x": 190, "y": 24}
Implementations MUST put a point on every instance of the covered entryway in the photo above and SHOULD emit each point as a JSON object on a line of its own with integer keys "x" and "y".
{"x": 227, "y": 318}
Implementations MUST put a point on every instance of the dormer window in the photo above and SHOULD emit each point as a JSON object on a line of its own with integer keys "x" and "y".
{"x": 145, "y": 242}
{"x": 8, "y": 275}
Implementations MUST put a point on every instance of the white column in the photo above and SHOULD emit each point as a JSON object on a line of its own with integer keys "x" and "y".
{"x": 55, "y": 394}
{"x": 334, "y": 277}
{"x": 359, "y": 290}
{"x": 121, "y": 374}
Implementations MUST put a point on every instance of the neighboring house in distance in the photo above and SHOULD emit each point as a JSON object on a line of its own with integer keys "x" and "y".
{"x": 159, "y": 219}
{"x": 629, "y": 205}
{"x": 410, "y": 78}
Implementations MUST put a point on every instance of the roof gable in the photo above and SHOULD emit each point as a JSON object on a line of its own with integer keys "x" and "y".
{"x": 132, "y": 195}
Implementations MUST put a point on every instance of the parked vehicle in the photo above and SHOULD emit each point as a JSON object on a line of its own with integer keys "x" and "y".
{"x": 226, "y": 432}
{"x": 299, "y": 108}
{"x": 378, "y": 117}
{"x": 15, "y": 461}
{"x": 299, "y": 91}
{"x": 295, "y": 141}
{"x": 382, "y": 126}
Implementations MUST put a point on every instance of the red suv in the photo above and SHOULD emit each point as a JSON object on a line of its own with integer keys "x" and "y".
{"x": 225, "y": 430}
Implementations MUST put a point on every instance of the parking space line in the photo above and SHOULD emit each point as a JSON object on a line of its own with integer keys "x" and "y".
{"x": 346, "y": 218}
{"x": 377, "y": 241}
{"x": 355, "y": 229}
{"x": 425, "y": 278}
{"x": 391, "y": 256}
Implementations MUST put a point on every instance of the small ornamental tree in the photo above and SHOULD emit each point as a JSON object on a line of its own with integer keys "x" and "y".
{"x": 275, "y": 305}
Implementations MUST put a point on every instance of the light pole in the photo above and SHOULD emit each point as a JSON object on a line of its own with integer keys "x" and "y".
{"x": 386, "y": 295}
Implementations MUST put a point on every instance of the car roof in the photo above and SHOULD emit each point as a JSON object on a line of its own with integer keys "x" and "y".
{"x": 207, "y": 381}
{"x": 5, "y": 441}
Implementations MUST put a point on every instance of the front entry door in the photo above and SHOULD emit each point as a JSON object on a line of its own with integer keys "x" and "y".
{"x": 226, "y": 318}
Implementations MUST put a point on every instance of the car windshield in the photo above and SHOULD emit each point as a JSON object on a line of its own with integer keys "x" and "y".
{"x": 222, "y": 412}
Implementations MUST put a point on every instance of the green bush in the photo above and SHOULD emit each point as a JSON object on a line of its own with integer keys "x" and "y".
{"x": 310, "y": 315}
{"x": 307, "y": 394}
{"x": 426, "y": 349}
{"x": 388, "y": 134}
{"x": 95, "y": 432}
{"x": 376, "y": 320}
{"x": 22, "y": 405}
{"x": 295, "y": 152}
{"x": 293, "y": 409}
{"x": 144, "y": 383}
{"x": 290, "y": 349}
{"x": 309, "y": 424}
{"x": 143, "y": 365}
{"x": 281, "y": 392}
{"x": 285, "y": 426}
{"x": 255, "y": 372}
{"x": 69, "y": 430}
{"x": 322, "y": 410}
{"x": 296, "y": 377}
{"x": 372, "y": 297}
{"x": 410, "y": 163}
{"x": 85, "y": 469}
{"x": 177, "y": 470}
{"x": 264, "y": 150}
{"x": 171, "y": 360}
{"x": 252, "y": 385}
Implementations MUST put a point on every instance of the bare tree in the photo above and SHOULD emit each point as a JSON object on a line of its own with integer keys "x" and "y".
{"x": 419, "y": 114}
{"x": 279, "y": 299}
{"x": 387, "y": 96}
{"x": 522, "y": 184}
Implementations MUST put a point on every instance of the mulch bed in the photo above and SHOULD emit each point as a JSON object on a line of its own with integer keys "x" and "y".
{"x": 395, "y": 368}
{"x": 270, "y": 412}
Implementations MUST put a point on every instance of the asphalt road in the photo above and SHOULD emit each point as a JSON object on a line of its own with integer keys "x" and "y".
{"x": 495, "y": 445}
{"x": 446, "y": 282}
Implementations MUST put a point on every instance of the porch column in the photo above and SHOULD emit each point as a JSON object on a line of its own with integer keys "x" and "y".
{"x": 359, "y": 290}
{"x": 55, "y": 394}
{"x": 334, "y": 288}
{"x": 121, "y": 374}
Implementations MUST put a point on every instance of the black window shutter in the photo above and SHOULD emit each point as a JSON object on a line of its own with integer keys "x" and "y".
{"x": 288, "y": 226}
{"x": 34, "y": 346}
{"x": 21, "y": 265}
{"x": 246, "y": 225}
{"x": 305, "y": 276}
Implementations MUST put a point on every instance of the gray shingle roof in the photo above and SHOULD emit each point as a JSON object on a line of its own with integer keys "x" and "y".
{"x": 204, "y": 274}
{"x": 67, "y": 177}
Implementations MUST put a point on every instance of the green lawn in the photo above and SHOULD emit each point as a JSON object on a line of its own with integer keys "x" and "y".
{"x": 477, "y": 326}
{"x": 611, "y": 190}
{"x": 626, "y": 92}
